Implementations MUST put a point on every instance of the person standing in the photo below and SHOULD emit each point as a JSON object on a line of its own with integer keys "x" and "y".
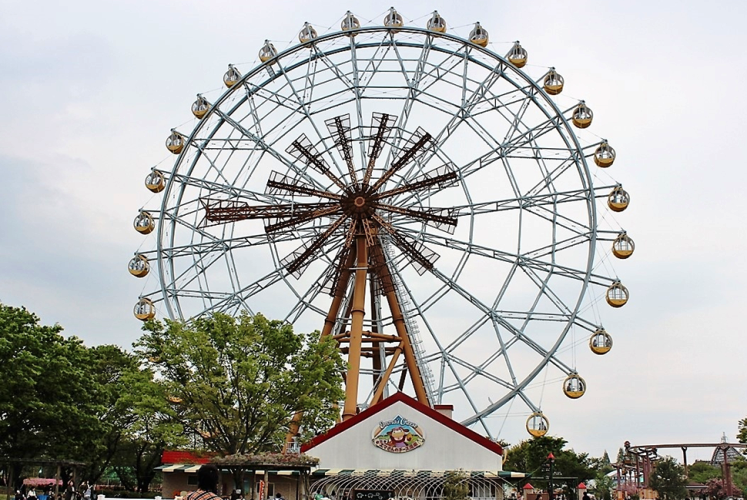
{"x": 207, "y": 484}
{"x": 86, "y": 489}
{"x": 70, "y": 490}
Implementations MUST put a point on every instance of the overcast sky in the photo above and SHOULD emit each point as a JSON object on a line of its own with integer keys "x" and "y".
{"x": 91, "y": 89}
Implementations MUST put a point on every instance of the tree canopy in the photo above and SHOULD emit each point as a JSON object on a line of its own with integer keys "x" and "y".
{"x": 235, "y": 383}
{"x": 668, "y": 479}
{"x": 531, "y": 455}
{"x": 62, "y": 400}
{"x": 46, "y": 402}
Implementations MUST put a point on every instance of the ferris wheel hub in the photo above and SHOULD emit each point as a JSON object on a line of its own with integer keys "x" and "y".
{"x": 358, "y": 203}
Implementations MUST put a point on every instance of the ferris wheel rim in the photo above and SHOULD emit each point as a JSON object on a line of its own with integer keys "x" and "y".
{"x": 559, "y": 115}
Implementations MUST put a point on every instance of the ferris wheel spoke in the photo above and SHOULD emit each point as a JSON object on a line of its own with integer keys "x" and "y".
{"x": 479, "y": 371}
{"x": 193, "y": 272}
{"x": 440, "y": 177}
{"x": 471, "y": 330}
{"x": 421, "y": 142}
{"x": 493, "y": 253}
{"x": 422, "y": 257}
{"x": 439, "y": 218}
{"x": 365, "y": 77}
{"x": 313, "y": 124}
{"x": 269, "y": 150}
{"x": 486, "y": 159}
{"x": 486, "y": 310}
{"x": 305, "y": 300}
{"x": 225, "y": 211}
{"x": 468, "y": 104}
{"x": 245, "y": 293}
{"x": 279, "y": 182}
{"x": 302, "y": 218}
{"x": 558, "y": 220}
{"x": 404, "y": 115}
{"x": 553, "y": 175}
{"x": 382, "y": 123}
{"x": 416, "y": 306}
{"x": 228, "y": 189}
{"x": 198, "y": 248}
{"x": 544, "y": 291}
{"x": 339, "y": 128}
{"x": 296, "y": 262}
{"x": 303, "y": 150}
{"x": 522, "y": 202}
{"x": 416, "y": 90}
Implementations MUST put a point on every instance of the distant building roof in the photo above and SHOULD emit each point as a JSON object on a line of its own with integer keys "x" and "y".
{"x": 185, "y": 457}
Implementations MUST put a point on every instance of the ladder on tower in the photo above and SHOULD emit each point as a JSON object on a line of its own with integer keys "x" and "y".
{"x": 413, "y": 331}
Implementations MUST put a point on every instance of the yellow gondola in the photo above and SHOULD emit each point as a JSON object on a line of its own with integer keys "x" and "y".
{"x": 436, "y": 23}
{"x": 617, "y": 295}
{"x": 618, "y": 199}
{"x": 604, "y": 155}
{"x": 139, "y": 266}
{"x": 517, "y": 55}
{"x": 155, "y": 181}
{"x": 393, "y": 19}
{"x": 537, "y": 424}
{"x": 600, "y": 342}
{"x": 582, "y": 115}
{"x": 623, "y": 246}
{"x": 479, "y": 36}
{"x": 175, "y": 142}
{"x": 553, "y": 82}
{"x": 307, "y": 33}
{"x": 231, "y": 77}
{"x": 267, "y": 52}
{"x": 574, "y": 386}
{"x": 200, "y": 107}
{"x": 144, "y": 309}
{"x": 350, "y": 23}
{"x": 144, "y": 223}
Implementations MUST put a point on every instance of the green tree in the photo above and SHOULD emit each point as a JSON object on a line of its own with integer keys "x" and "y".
{"x": 601, "y": 465}
{"x": 112, "y": 369}
{"x": 603, "y": 485}
{"x": 152, "y": 427}
{"x": 668, "y": 479}
{"x": 236, "y": 383}
{"x": 742, "y": 434}
{"x": 701, "y": 471}
{"x": 48, "y": 406}
{"x": 531, "y": 455}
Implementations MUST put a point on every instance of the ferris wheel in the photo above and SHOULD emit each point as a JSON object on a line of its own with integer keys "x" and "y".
{"x": 412, "y": 193}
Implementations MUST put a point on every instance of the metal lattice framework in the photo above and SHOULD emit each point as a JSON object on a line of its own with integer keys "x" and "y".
{"x": 408, "y": 484}
{"x": 416, "y": 196}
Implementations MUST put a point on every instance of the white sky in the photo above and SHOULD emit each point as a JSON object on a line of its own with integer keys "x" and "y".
{"x": 91, "y": 89}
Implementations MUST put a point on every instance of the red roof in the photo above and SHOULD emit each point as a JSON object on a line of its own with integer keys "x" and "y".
{"x": 528, "y": 487}
{"x": 581, "y": 486}
{"x": 404, "y": 398}
{"x": 184, "y": 457}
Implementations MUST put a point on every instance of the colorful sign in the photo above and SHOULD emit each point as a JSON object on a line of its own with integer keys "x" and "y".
{"x": 398, "y": 435}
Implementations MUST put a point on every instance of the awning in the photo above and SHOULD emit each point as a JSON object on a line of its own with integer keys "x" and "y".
{"x": 193, "y": 468}
{"x": 405, "y": 483}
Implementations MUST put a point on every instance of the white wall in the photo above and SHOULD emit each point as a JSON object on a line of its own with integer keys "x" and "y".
{"x": 444, "y": 448}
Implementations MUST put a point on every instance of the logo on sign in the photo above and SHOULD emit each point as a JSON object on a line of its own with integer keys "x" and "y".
{"x": 398, "y": 435}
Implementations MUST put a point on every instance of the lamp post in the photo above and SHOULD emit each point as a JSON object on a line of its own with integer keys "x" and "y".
{"x": 550, "y": 492}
